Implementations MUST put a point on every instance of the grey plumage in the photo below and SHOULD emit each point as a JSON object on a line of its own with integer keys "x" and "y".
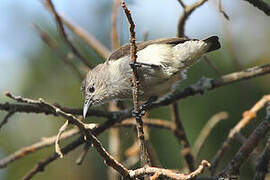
{"x": 164, "y": 62}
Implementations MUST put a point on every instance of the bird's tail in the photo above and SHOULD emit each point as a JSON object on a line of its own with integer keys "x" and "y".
{"x": 213, "y": 43}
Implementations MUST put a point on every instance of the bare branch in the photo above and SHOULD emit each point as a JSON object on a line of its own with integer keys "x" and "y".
{"x": 212, "y": 65}
{"x": 263, "y": 162}
{"x": 57, "y": 146}
{"x": 232, "y": 170}
{"x": 54, "y": 46}
{"x": 185, "y": 15}
{"x": 82, "y": 156}
{"x": 182, "y": 138}
{"x": 61, "y": 29}
{"x": 222, "y": 11}
{"x": 206, "y": 131}
{"x": 45, "y": 142}
{"x": 260, "y": 4}
{"x": 90, "y": 137}
{"x": 5, "y": 120}
{"x": 247, "y": 117}
{"x": 169, "y": 173}
{"x": 133, "y": 50}
{"x": 114, "y": 35}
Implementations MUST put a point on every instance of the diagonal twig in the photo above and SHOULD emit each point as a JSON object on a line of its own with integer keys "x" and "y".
{"x": 247, "y": 117}
{"x": 5, "y": 120}
{"x": 61, "y": 29}
{"x": 263, "y": 162}
{"x": 45, "y": 142}
{"x": 90, "y": 137}
{"x": 206, "y": 131}
{"x": 232, "y": 170}
{"x": 54, "y": 46}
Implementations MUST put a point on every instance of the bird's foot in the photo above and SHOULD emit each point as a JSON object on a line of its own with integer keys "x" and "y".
{"x": 142, "y": 108}
{"x": 140, "y": 64}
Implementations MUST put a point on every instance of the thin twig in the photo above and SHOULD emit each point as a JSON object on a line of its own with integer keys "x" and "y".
{"x": 214, "y": 120}
{"x": 169, "y": 173}
{"x": 57, "y": 146}
{"x": 186, "y": 13}
{"x": 232, "y": 170}
{"x": 263, "y": 163}
{"x": 45, "y": 142}
{"x": 212, "y": 65}
{"x": 5, "y": 120}
{"x": 61, "y": 29}
{"x": 83, "y": 154}
{"x": 54, "y": 46}
{"x": 260, "y": 4}
{"x": 222, "y": 11}
{"x": 114, "y": 35}
{"x": 90, "y": 137}
{"x": 91, "y": 41}
{"x": 182, "y": 138}
{"x": 133, "y": 50}
{"x": 247, "y": 117}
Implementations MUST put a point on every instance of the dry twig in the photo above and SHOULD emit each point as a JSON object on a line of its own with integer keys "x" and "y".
{"x": 45, "y": 142}
{"x": 133, "y": 50}
{"x": 222, "y": 11}
{"x": 90, "y": 137}
{"x": 232, "y": 170}
{"x": 54, "y": 46}
{"x": 247, "y": 117}
{"x": 182, "y": 138}
{"x": 5, "y": 120}
{"x": 61, "y": 29}
{"x": 206, "y": 131}
{"x": 169, "y": 173}
{"x": 186, "y": 13}
{"x": 263, "y": 162}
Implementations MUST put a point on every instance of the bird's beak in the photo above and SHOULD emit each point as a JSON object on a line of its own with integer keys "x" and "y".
{"x": 87, "y": 104}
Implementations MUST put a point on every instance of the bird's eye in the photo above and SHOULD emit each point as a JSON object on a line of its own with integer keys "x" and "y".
{"x": 91, "y": 89}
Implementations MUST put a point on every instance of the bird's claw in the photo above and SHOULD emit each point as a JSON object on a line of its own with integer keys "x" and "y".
{"x": 135, "y": 65}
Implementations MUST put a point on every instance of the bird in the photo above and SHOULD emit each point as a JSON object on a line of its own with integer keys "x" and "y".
{"x": 161, "y": 63}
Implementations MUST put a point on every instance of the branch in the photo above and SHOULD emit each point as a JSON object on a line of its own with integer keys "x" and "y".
{"x": 263, "y": 162}
{"x": 40, "y": 166}
{"x": 61, "y": 29}
{"x": 5, "y": 120}
{"x": 133, "y": 50}
{"x": 182, "y": 138}
{"x": 114, "y": 35}
{"x": 206, "y": 84}
{"x": 206, "y": 131}
{"x": 233, "y": 168}
{"x": 90, "y": 137}
{"x": 186, "y": 13}
{"x": 45, "y": 142}
{"x": 247, "y": 117}
{"x": 168, "y": 173}
{"x": 260, "y": 4}
{"x": 54, "y": 46}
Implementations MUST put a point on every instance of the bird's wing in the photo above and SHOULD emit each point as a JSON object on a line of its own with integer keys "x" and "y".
{"x": 124, "y": 50}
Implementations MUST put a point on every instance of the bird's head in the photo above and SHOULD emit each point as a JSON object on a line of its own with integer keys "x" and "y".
{"x": 94, "y": 89}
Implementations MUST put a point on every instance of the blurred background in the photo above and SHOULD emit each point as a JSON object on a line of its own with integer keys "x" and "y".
{"x": 29, "y": 68}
